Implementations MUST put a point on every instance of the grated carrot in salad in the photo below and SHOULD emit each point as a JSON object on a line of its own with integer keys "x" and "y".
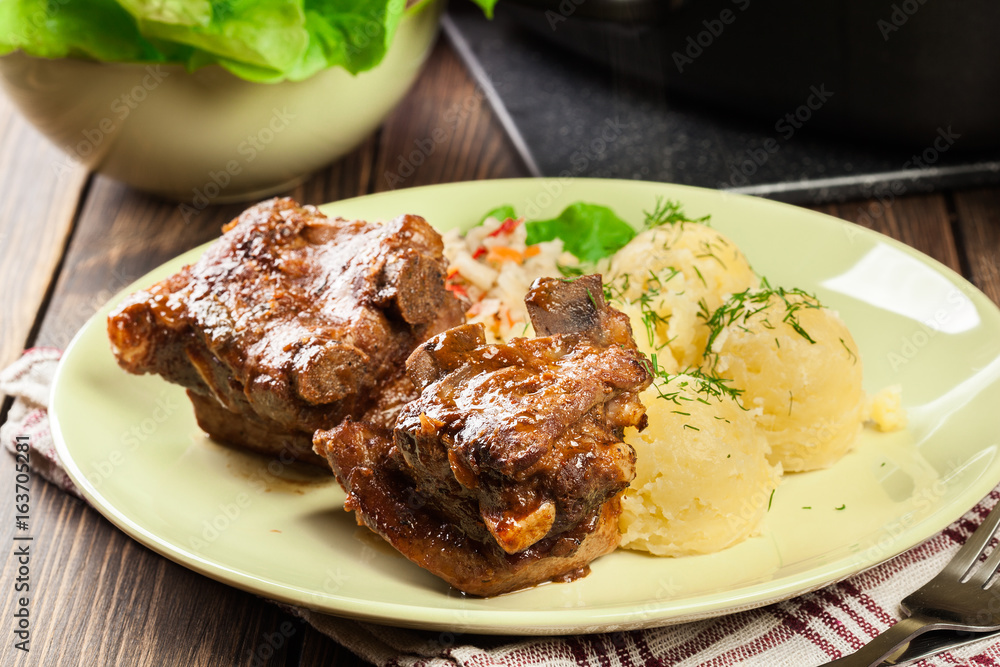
{"x": 502, "y": 254}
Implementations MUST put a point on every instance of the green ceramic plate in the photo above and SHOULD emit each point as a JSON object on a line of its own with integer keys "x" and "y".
{"x": 132, "y": 446}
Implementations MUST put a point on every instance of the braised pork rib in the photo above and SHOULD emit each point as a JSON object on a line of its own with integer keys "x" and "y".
{"x": 292, "y": 322}
{"x": 508, "y": 469}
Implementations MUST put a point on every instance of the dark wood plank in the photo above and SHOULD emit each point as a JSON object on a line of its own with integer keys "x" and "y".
{"x": 349, "y": 177}
{"x": 41, "y": 189}
{"x": 445, "y": 132}
{"x": 121, "y": 235}
{"x": 978, "y": 213}
{"x": 920, "y": 221}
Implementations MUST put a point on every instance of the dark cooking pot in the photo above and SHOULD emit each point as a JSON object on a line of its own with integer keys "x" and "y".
{"x": 903, "y": 71}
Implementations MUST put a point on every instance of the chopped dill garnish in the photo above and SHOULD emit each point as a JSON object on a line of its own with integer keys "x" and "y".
{"x": 593, "y": 300}
{"x": 807, "y": 507}
{"x": 609, "y": 292}
{"x": 693, "y": 428}
{"x": 844, "y": 506}
{"x": 653, "y": 286}
{"x": 650, "y": 320}
{"x": 674, "y": 397}
{"x": 770, "y": 500}
{"x": 713, "y": 386}
{"x": 791, "y": 399}
{"x": 568, "y": 270}
{"x": 710, "y": 252}
{"x": 615, "y": 290}
{"x": 700, "y": 277}
{"x": 669, "y": 212}
{"x": 706, "y": 387}
{"x": 854, "y": 357}
{"x": 703, "y": 312}
{"x": 740, "y": 307}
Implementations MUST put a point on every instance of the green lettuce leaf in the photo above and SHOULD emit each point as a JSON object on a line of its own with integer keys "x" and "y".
{"x": 258, "y": 40}
{"x": 268, "y": 34}
{"x": 193, "y": 13}
{"x": 354, "y": 34}
{"x": 486, "y": 6}
{"x": 94, "y": 30}
{"x": 589, "y": 231}
{"x": 501, "y": 213}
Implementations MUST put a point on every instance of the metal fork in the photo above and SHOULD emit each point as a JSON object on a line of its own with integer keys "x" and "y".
{"x": 961, "y": 597}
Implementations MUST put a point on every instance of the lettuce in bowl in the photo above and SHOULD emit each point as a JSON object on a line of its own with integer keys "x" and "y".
{"x": 257, "y": 40}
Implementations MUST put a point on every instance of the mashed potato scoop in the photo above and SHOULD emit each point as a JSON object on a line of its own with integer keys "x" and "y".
{"x": 671, "y": 273}
{"x": 799, "y": 370}
{"x": 703, "y": 481}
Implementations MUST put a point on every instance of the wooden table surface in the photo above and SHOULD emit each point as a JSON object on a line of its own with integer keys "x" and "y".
{"x": 69, "y": 240}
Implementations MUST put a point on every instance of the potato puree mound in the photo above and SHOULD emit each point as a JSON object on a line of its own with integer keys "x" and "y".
{"x": 799, "y": 370}
{"x": 664, "y": 319}
{"x": 703, "y": 481}
{"x": 675, "y": 270}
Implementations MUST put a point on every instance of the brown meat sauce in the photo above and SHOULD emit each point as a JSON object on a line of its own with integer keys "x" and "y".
{"x": 291, "y": 322}
{"x": 507, "y": 469}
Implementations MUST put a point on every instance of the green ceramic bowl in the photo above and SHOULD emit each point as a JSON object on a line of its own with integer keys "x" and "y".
{"x": 208, "y": 136}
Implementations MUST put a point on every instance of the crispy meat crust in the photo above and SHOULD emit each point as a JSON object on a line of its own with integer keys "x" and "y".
{"x": 291, "y": 322}
{"x": 508, "y": 469}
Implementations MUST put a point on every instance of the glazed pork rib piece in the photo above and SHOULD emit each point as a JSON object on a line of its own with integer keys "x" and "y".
{"x": 291, "y": 322}
{"x": 507, "y": 470}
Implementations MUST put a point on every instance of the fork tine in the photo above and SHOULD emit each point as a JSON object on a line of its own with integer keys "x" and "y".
{"x": 967, "y": 556}
{"x": 981, "y": 576}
